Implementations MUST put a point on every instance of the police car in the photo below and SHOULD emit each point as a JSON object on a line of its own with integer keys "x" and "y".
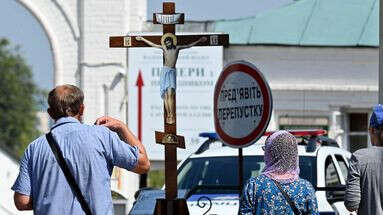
{"x": 211, "y": 173}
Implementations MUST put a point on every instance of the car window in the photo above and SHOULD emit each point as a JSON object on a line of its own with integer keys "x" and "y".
{"x": 331, "y": 175}
{"x": 342, "y": 165}
{"x": 223, "y": 171}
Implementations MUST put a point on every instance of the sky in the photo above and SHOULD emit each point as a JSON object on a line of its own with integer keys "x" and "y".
{"x": 22, "y": 29}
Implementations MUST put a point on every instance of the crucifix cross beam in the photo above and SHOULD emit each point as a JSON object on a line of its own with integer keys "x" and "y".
{"x": 170, "y": 44}
{"x": 131, "y": 42}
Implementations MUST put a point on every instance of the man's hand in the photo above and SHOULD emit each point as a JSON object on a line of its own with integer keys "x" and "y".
{"x": 111, "y": 123}
{"x": 139, "y": 38}
{"x": 203, "y": 39}
{"x": 22, "y": 202}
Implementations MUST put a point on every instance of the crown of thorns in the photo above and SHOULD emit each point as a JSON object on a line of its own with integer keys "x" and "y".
{"x": 168, "y": 35}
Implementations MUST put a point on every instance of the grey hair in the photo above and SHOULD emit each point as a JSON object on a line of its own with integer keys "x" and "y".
{"x": 65, "y": 100}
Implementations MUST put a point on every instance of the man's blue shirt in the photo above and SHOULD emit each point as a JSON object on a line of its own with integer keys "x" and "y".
{"x": 90, "y": 151}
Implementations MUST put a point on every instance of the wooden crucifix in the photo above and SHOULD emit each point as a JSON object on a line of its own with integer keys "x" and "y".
{"x": 170, "y": 45}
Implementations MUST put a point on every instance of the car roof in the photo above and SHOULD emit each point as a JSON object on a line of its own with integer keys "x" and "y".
{"x": 255, "y": 149}
{"x": 215, "y": 148}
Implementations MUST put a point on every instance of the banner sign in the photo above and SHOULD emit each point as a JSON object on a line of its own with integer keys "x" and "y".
{"x": 198, "y": 69}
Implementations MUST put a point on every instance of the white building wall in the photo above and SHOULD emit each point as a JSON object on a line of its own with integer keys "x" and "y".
{"x": 103, "y": 66}
{"x": 59, "y": 20}
{"x": 316, "y": 81}
{"x": 43, "y": 122}
{"x": 8, "y": 175}
{"x": 313, "y": 68}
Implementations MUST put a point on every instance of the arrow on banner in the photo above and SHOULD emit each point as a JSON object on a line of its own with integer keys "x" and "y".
{"x": 139, "y": 84}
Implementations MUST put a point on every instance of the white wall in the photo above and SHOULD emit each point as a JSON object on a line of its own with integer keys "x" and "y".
{"x": 8, "y": 174}
{"x": 59, "y": 20}
{"x": 313, "y": 68}
{"x": 316, "y": 81}
{"x": 43, "y": 122}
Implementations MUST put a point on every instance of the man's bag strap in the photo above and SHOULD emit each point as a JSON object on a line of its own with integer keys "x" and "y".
{"x": 68, "y": 175}
{"x": 291, "y": 203}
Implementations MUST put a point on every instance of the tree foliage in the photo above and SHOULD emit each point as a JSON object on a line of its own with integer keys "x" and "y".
{"x": 18, "y": 101}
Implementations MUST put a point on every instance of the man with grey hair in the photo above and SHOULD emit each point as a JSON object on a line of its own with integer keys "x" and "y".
{"x": 364, "y": 189}
{"x": 90, "y": 152}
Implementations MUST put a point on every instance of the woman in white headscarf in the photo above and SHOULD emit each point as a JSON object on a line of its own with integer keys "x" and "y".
{"x": 279, "y": 190}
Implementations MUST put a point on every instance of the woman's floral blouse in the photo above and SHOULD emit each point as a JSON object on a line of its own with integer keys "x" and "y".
{"x": 261, "y": 196}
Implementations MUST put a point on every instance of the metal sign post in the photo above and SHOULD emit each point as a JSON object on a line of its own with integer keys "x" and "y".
{"x": 242, "y": 107}
{"x": 240, "y": 169}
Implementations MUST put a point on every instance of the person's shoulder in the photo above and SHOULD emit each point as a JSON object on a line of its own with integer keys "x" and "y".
{"x": 40, "y": 140}
{"x": 92, "y": 129}
{"x": 99, "y": 128}
{"x": 261, "y": 179}
{"x": 100, "y": 131}
{"x": 305, "y": 183}
{"x": 364, "y": 152}
{"x": 37, "y": 143}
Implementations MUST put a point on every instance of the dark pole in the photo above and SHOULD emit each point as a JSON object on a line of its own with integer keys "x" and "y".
{"x": 240, "y": 170}
{"x": 143, "y": 180}
{"x": 381, "y": 52}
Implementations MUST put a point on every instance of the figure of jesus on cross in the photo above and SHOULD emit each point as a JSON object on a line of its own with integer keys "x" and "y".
{"x": 168, "y": 81}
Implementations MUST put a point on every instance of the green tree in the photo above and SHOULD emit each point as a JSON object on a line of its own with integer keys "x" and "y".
{"x": 18, "y": 101}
